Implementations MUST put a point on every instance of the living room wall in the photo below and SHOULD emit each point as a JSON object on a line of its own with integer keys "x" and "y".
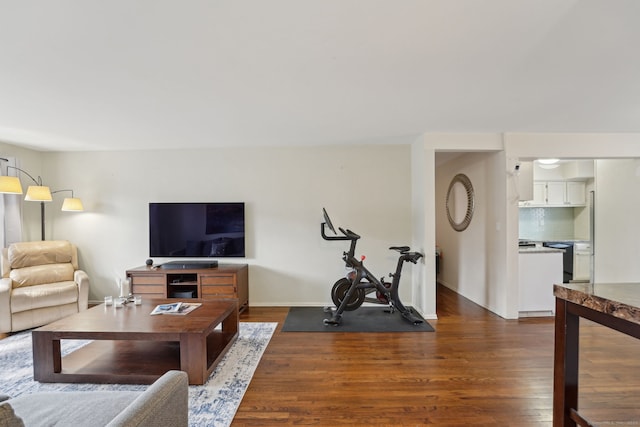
{"x": 366, "y": 188}
{"x": 285, "y": 189}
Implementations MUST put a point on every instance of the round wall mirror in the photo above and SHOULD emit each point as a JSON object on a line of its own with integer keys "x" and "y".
{"x": 460, "y": 202}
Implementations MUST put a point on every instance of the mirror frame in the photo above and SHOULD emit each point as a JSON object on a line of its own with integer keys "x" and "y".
{"x": 466, "y": 183}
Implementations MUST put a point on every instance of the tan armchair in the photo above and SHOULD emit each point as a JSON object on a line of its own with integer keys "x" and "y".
{"x": 40, "y": 283}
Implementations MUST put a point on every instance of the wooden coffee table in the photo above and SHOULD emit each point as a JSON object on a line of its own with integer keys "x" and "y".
{"x": 132, "y": 347}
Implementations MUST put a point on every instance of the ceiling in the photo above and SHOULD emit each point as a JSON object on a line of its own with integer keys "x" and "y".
{"x": 161, "y": 74}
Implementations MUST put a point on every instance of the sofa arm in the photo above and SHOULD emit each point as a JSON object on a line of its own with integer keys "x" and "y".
{"x": 5, "y": 305}
{"x": 82, "y": 280}
{"x": 164, "y": 403}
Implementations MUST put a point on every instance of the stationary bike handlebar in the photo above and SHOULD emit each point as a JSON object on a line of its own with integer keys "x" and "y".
{"x": 350, "y": 234}
{"x": 412, "y": 257}
{"x": 346, "y": 234}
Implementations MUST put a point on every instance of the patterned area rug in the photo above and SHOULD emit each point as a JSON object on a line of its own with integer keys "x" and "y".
{"x": 212, "y": 404}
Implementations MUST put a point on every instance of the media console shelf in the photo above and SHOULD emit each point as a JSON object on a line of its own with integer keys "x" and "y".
{"x": 222, "y": 282}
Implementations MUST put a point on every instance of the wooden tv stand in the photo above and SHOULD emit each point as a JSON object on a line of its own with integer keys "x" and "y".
{"x": 222, "y": 282}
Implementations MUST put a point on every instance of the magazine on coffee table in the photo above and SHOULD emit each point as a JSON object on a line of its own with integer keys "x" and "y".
{"x": 180, "y": 308}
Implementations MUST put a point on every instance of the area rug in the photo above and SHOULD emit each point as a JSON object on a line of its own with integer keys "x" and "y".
{"x": 364, "y": 319}
{"x": 212, "y": 404}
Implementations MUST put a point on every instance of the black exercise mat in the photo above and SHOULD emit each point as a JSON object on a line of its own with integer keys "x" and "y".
{"x": 364, "y": 319}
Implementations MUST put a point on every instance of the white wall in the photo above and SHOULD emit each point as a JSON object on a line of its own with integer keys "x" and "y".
{"x": 424, "y": 273}
{"x": 285, "y": 189}
{"x": 472, "y": 260}
{"x": 366, "y": 188}
{"x": 616, "y": 220}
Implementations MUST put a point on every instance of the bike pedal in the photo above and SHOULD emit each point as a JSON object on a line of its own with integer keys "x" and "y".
{"x": 331, "y": 322}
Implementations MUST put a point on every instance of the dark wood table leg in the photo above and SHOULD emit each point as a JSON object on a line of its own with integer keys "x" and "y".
{"x": 47, "y": 358}
{"x": 193, "y": 357}
{"x": 231, "y": 324}
{"x": 565, "y": 365}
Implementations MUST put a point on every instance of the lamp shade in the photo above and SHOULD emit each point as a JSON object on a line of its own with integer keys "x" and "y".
{"x": 38, "y": 193}
{"x": 10, "y": 185}
{"x": 72, "y": 204}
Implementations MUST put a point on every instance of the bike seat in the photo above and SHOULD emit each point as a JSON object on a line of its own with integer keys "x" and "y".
{"x": 400, "y": 249}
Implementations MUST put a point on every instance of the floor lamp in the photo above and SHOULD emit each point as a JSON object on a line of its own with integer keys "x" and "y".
{"x": 36, "y": 193}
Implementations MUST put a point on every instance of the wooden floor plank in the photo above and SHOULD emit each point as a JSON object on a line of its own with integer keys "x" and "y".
{"x": 477, "y": 369}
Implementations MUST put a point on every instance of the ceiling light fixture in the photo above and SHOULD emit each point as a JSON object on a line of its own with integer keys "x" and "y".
{"x": 548, "y": 161}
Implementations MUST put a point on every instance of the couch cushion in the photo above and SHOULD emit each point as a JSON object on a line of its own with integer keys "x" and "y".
{"x": 96, "y": 408}
{"x": 26, "y": 254}
{"x": 8, "y": 418}
{"x": 41, "y": 274}
{"x": 46, "y": 295}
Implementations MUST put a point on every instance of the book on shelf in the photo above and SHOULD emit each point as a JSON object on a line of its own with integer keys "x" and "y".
{"x": 180, "y": 308}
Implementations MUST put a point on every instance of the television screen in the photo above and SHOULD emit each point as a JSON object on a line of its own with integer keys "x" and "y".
{"x": 200, "y": 230}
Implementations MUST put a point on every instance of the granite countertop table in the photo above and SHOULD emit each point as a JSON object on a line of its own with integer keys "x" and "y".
{"x": 614, "y": 305}
{"x": 621, "y": 300}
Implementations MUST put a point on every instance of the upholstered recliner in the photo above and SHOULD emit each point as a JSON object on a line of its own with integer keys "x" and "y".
{"x": 40, "y": 283}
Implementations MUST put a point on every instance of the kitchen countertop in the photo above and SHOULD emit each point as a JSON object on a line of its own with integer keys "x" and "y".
{"x": 538, "y": 250}
{"x": 616, "y": 299}
{"x": 556, "y": 240}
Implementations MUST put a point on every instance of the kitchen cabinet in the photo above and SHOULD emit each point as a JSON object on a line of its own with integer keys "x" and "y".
{"x": 539, "y": 270}
{"x": 582, "y": 261}
{"x": 539, "y": 194}
{"x": 576, "y": 193}
{"x": 558, "y": 194}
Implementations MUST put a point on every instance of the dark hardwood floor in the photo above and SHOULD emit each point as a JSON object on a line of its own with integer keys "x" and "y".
{"x": 476, "y": 369}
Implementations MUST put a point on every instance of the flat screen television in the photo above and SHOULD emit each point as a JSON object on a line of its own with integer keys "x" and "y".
{"x": 196, "y": 230}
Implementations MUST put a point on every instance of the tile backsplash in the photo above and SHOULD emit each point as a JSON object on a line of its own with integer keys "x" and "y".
{"x": 546, "y": 224}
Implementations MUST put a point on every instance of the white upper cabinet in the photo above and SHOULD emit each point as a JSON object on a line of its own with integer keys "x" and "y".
{"x": 563, "y": 186}
{"x": 576, "y": 193}
{"x": 539, "y": 194}
{"x": 557, "y": 194}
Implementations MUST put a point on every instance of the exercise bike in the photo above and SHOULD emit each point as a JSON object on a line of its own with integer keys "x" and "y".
{"x": 351, "y": 292}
